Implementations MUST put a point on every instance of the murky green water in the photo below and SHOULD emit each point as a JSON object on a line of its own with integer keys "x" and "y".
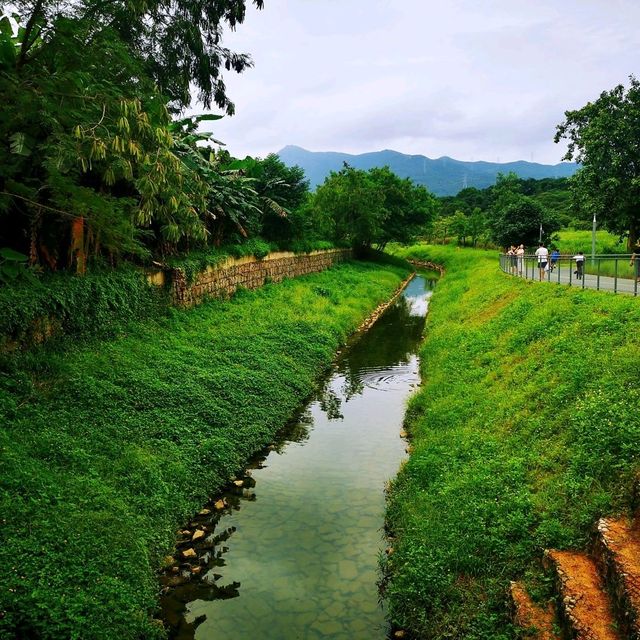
{"x": 295, "y": 553}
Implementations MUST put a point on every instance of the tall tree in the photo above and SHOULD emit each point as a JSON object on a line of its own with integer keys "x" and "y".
{"x": 179, "y": 41}
{"x": 281, "y": 191}
{"x": 353, "y": 206}
{"x": 521, "y": 220}
{"x": 514, "y": 218}
{"x": 604, "y": 136}
{"x": 410, "y": 208}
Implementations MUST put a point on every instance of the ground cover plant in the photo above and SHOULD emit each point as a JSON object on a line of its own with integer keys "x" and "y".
{"x": 524, "y": 432}
{"x": 108, "y": 446}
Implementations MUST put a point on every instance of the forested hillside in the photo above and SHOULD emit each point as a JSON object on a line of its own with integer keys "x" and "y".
{"x": 443, "y": 176}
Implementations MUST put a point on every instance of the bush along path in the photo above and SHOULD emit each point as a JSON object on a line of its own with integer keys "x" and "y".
{"x": 523, "y": 435}
{"x": 108, "y": 445}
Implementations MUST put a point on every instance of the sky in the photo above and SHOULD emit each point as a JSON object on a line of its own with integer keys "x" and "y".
{"x": 473, "y": 80}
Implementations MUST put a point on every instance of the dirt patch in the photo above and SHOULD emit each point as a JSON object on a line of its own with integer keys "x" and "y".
{"x": 537, "y": 622}
{"x": 586, "y": 608}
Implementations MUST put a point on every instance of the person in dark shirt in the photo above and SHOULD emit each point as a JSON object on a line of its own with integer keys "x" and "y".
{"x": 579, "y": 258}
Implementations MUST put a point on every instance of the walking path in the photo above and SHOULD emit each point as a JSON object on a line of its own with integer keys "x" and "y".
{"x": 564, "y": 273}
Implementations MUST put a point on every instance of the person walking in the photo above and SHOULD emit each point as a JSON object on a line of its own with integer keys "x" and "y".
{"x": 579, "y": 258}
{"x": 511, "y": 259}
{"x": 542, "y": 253}
{"x": 555, "y": 256}
{"x": 520, "y": 258}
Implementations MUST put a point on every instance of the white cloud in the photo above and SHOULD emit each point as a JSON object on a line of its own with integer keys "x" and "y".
{"x": 470, "y": 80}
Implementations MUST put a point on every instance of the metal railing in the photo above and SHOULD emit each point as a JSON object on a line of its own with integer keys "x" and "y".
{"x": 605, "y": 272}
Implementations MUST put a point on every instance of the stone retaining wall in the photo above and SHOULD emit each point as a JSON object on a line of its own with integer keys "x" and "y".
{"x": 427, "y": 264}
{"x": 223, "y": 280}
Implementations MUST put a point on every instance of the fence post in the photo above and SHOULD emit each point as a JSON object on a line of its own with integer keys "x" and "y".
{"x": 570, "y": 272}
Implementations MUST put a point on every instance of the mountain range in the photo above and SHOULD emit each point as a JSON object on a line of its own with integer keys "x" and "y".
{"x": 443, "y": 176}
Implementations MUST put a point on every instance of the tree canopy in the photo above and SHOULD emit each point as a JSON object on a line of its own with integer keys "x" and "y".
{"x": 93, "y": 160}
{"x": 372, "y": 208}
{"x": 604, "y": 136}
{"x": 178, "y": 42}
{"x": 515, "y": 218}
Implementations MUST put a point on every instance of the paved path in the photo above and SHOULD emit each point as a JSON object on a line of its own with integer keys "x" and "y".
{"x": 563, "y": 274}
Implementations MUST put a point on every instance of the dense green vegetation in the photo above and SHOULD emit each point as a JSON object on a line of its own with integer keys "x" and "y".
{"x": 524, "y": 432}
{"x": 509, "y": 212}
{"x": 604, "y": 136}
{"x": 108, "y": 446}
{"x": 93, "y": 161}
{"x": 370, "y": 208}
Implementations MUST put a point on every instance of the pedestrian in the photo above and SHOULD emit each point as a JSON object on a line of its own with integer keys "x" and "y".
{"x": 635, "y": 260}
{"x": 520, "y": 258}
{"x": 514, "y": 260}
{"x": 555, "y": 256}
{"x": 579, "y": 258}
{"x": 510, "y": 258}
{"x": 542, "y": 253}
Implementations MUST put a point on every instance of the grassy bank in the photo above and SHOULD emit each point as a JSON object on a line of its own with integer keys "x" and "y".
{"x": 525, "y": 431}
{"x": 108, "y": 446}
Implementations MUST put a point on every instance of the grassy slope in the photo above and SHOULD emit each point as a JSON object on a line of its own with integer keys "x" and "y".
{"x": 526, "y": 429}
{"x": 106, "y": 448}
{"x": 572, "y": 241}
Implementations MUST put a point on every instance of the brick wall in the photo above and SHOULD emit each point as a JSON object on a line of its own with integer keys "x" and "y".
{"x": 225, "y": 278}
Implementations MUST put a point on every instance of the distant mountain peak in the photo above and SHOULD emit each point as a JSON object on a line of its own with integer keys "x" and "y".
{"x": 442, "y": 176}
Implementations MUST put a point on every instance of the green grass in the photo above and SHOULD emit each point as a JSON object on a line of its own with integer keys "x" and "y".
{"x": 572, "y": 241}
{"x": 524, "y": 432}
{"x": 107, "y": 447}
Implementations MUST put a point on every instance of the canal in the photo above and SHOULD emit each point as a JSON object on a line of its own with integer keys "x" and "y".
{"x": 293, "y": 553}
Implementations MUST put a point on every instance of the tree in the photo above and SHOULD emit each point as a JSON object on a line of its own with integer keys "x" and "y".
{"x": 459, "y": 225}
{"x": 604, "y": 136}
{"x": 91, "y": 162}
{"x": 372, "y": 208}
{"x": 476, "y": 225}
{"x": 179, "y": 42}
{"x": 353, "y": 207}
{"x": 281, "y": 191}
{"x": 410, "y": 208}
{"x": 519, "y": 221}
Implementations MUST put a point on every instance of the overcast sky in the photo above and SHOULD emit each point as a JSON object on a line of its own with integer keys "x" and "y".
{"x": 471, "y": 79}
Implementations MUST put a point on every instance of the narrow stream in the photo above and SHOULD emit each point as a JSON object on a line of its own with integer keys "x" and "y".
{"x": 294, "y": 552}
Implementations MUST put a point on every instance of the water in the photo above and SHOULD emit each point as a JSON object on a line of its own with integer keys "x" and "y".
{"x": 295, "y": 553}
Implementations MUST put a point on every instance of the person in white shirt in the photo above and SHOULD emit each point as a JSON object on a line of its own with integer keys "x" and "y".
{"x": 543, "y": 258}
{"x": 520, "y": 258}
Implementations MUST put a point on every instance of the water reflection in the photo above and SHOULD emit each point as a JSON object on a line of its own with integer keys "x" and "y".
{"x": 301, "y": 561}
